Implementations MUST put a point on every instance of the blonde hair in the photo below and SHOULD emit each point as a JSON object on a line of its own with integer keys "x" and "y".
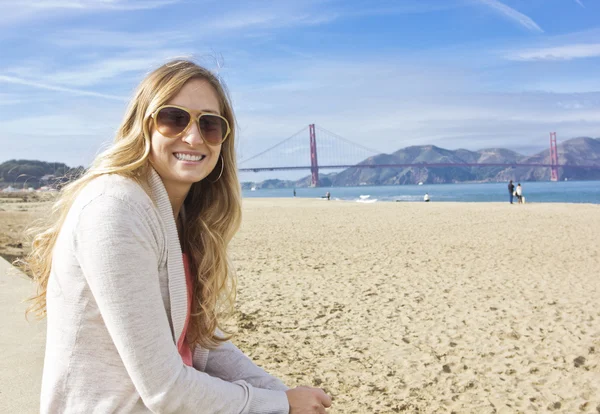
{"x": 213, "y": 205}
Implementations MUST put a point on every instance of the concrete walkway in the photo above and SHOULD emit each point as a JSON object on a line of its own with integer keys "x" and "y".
{"x": 21, "y": 345}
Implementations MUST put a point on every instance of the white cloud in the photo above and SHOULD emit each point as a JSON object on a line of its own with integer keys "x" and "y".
{"x": 110, "y": 68}
{"x": 570, "y": 105}
{"x": 226, "y": 17}
{"x": 39, "y": 85}
{"x": 266, "y": 19}
{"x": 17, "y": 12}
{"x": 265, "y": 16}
{"x": 96, "y": 39}
{"x": 513, "y": 15}
{"x": 580, "y": 3}
{"x": 90, "y": 5}
{"x": 100, "y": 69}
{"x": 565, "y": 52}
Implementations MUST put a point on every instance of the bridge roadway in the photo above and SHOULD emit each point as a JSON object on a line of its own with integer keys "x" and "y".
{"x": 418, "y": 165}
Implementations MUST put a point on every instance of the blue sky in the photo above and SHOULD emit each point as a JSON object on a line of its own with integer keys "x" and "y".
{"x": 454, "y": 73}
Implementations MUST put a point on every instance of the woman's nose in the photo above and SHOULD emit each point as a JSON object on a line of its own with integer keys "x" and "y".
{"x": 193, "y": 136}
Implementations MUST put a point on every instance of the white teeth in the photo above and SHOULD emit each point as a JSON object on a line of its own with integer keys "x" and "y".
{"x": 188, "y": 157}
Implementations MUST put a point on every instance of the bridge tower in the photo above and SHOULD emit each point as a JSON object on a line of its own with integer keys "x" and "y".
{"x": 314, "y": 165}
{"x": 553, "y": 157}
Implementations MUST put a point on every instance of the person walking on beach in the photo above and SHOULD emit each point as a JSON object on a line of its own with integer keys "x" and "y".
{"x": 132, "y": 272}
{"x": 520, "y": 193}
{"x": 426, "y": 198}
{"x": 511, "y": 191}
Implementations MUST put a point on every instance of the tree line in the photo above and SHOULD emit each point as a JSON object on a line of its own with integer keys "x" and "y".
{"x": 33, "y": 173}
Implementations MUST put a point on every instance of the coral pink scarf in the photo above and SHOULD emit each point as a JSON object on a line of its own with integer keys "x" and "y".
{"x": 182, "y": 345}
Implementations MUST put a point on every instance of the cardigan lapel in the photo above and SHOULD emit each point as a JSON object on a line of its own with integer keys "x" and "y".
{"x": 175, "y": 270}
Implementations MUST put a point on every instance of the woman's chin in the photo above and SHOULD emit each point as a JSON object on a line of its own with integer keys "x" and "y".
{"x": 188, "y": 177}
{"x": 192, "y": 178}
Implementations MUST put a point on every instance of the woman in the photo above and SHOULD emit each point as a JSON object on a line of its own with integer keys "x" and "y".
{"x": 519, "y": 193}
{"x": 133, "y": 268}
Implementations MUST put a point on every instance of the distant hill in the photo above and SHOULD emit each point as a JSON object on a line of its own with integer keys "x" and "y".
{"x": 576, "y": 151}
{"x": 33, "y": 173}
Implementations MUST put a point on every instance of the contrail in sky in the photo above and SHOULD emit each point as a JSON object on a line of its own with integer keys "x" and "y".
{"x": 18, "y": 81}
{"x": 513, "y": 15}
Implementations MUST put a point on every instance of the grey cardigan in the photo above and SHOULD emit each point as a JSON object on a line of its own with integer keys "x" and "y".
{"x": 117, "y": 303}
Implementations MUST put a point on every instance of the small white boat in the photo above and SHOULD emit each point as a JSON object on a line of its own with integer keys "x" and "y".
{"x": 253, "y": 189}
{"x": 420, "y": 182}
{"x": 366, "y": 199}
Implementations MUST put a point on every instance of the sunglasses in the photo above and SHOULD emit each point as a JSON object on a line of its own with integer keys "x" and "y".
{"x": 172, "y": 121}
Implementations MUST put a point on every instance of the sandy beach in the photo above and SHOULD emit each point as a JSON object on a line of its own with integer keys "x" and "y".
{"x": 416, "y": 307}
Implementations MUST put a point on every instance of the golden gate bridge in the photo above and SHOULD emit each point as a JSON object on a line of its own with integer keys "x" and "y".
{"x": 335, "y": 152}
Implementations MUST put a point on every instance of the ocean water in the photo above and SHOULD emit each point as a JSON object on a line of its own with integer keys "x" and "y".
{"x": 534, "y": 192}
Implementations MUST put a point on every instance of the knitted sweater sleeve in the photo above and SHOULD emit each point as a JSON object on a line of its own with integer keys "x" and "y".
{"x": 231, "y": 364}
{"x": 114, "y": 241}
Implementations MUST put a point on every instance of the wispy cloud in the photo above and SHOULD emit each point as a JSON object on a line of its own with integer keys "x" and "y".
{"x": 404, "y": 7}
{"x": 580, "y": 3}
{"x": 513, "y": 15}
{"x": 97, "y": 70}
{"x": 18, "y": 12}
{"x": 570, "y": 105}
{"x": 24, "y": 82}
{"x": 565, "y": 52}
{"x": 268, "y": 19}
{"x": 101, "y": 70}
{"x": 230, "y": 18}
{"x": 96, "y": 39}
{"x": 41, "y": 5}
{"x": 275, "y": 15}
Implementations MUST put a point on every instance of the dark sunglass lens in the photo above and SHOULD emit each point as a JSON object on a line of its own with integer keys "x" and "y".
{"x": 213, "y": 128}
{"x": 172, "y": 121}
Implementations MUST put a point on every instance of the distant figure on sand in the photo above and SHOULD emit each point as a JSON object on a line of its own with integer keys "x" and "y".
{"x": 294, "y": 192}
{"x": 328, "y": 195}
{"x": 520, "y": 193}
{"x": 426, "y": 198}
{"x": 511, "y": 190}
{"x": 132, "y": 271}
